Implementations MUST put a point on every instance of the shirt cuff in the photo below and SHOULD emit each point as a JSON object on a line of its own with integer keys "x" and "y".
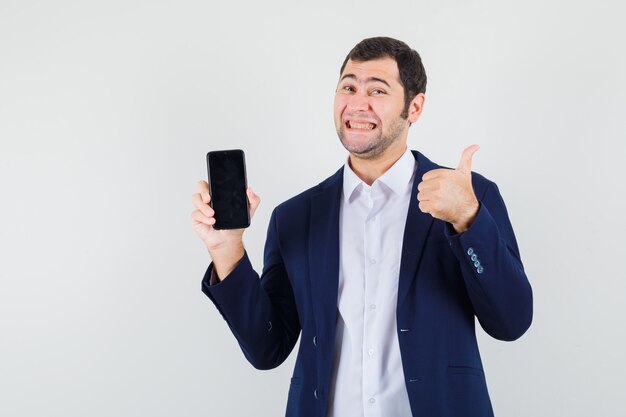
{"x": 213, "y": 278}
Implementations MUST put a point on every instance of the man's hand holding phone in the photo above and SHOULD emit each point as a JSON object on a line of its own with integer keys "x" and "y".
{"x": 224, "y": 245}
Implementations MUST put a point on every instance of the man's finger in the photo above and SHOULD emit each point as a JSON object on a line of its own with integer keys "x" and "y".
{"x": 465, "y": 165}
{"x": 434, "y": 173}
{"x": 203, "y": 186}
{"x": 198, "y": 216}
{"x": 196, "y": 200}
{"x": 202, "y": 206}
{"x": 255, "y": 200}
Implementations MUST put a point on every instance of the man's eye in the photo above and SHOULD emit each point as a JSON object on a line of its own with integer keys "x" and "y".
{"x": 347, "y": 88}
{"x": 378, "y": 92}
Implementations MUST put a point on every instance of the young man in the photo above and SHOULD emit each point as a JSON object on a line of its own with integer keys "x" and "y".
{"x": 382, "y": 267}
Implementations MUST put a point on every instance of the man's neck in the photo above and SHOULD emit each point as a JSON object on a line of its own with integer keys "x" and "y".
{"x": 368, "y": 170}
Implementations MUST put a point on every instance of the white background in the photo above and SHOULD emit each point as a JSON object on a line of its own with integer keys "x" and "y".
{"x": 108, "y": 108}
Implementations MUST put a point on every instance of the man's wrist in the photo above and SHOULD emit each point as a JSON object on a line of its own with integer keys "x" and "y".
{"x": 466, "y": 221}
{"x": 226, "y": 258}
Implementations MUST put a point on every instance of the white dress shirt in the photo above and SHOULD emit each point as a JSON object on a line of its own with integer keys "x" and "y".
{"x": 367, "y": 378}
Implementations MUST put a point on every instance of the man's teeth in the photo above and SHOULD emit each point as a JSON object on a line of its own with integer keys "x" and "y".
{"x": 368, "y": 126}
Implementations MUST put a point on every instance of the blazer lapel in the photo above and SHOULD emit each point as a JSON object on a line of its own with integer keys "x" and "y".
{"x": 324, "y": 256}
{"x": 416, "y": 230}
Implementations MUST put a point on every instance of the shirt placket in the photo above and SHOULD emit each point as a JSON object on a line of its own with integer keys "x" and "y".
{"x": 373, "y": 260}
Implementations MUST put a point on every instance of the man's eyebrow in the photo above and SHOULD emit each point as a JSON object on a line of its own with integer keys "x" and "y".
{"x": 370, "y": 79}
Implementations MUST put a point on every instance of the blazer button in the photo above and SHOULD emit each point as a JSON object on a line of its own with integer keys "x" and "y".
{"x": 470, "y": 251}
{"x": 479, "y": 269}
{"x": 477, "y": 264}
{"x": 474, "y": 257}
{"x": 314, "y": 340}
{"x": 315, "y": 393}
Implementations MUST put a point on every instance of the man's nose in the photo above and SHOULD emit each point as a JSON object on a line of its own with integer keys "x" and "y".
{"x": 358, "y": 102}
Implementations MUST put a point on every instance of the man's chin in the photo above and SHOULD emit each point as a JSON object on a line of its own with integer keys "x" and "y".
{"x": 371, "y": 149}
{"x": 370, "y": 152}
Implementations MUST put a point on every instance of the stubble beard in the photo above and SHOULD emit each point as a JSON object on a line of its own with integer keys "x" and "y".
{"x": 377, "y": 145}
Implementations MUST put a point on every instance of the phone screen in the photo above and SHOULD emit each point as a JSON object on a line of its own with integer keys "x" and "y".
{"x": 227, "y": 186}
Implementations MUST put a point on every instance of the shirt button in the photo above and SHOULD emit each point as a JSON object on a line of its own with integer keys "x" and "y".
{"x": 372, "y": 261}
{"x": 372, "y": 400}
{"x": 372, "y": 306}
{"x": 370, "y": 352}
{"x": 374, "y": 218}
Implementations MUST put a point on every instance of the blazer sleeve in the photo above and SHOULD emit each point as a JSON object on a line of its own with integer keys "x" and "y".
{"x": 261, "y": 313}
{"x": 492, "y": 269}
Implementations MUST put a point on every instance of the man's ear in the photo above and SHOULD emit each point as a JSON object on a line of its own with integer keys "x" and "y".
{"x": 416, "y": 107}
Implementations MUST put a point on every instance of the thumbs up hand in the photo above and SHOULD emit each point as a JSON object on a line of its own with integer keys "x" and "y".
{"x": 447, "y": 194}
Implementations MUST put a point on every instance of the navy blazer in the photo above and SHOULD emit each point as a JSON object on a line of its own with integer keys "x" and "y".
{"x": 446, "y": 280}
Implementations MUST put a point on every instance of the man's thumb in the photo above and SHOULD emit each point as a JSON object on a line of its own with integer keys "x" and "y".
{"x": 465, "y": 165}
{"x": 254, "y": 199}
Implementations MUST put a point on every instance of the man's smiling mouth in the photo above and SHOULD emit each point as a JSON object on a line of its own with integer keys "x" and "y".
{"x": 360, "y": 125}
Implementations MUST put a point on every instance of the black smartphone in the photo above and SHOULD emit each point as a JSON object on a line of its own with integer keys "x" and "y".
{"x": 227, "y": 187}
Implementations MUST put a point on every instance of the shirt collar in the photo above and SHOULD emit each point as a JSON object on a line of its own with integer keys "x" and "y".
{"x": 395, "y": 178}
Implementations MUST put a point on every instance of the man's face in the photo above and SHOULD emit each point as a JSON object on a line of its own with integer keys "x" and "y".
{"x": 368, "y": 103}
